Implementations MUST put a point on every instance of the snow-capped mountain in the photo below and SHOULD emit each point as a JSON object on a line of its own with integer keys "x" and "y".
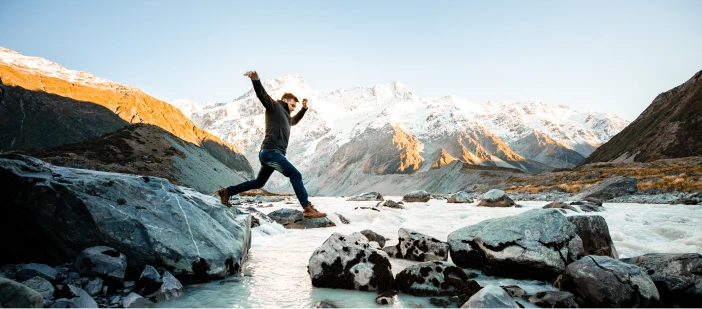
{"x": 387, "y": 129}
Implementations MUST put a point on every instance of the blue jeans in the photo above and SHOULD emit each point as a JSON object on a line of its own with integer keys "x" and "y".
{"x": 273, "y": 160}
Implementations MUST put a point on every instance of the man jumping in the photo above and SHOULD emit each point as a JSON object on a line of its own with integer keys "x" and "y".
{"x": 272, "y": 154}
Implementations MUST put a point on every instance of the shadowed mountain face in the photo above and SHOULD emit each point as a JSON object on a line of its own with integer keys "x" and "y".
{"x": 542, "y": 148}
{"x": 143, "y": 149}
{"x": 670, "y": 127}
{"x": 38, "y": 111}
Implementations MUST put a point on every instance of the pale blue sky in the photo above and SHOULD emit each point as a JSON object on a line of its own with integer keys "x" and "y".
{"x": 607, "y": 56}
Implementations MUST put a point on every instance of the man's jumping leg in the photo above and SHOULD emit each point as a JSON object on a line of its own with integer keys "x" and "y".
{"x": 263, "y": 174}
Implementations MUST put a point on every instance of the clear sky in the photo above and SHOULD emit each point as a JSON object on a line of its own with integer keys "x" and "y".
{"x": 605, "y": 56}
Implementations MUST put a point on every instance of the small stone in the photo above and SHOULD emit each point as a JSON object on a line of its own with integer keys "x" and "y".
{"x": 41, "y": 285}
{"x": 134, "y": 300}
{"x": 385, "y": 298}
{"x": 94, "y": 286}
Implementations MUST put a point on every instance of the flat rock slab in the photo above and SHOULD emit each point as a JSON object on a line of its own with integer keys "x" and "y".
{"x": 293, "y": 219}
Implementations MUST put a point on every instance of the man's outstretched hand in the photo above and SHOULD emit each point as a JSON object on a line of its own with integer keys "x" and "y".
{"x": 304, "y": 103}
{"x": 252, "y": 75}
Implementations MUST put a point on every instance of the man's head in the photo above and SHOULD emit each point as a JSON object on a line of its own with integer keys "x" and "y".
{"x": 290, "y": 99}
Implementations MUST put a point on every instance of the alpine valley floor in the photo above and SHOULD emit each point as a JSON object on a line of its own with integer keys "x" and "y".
{"x": 276, "y": 273}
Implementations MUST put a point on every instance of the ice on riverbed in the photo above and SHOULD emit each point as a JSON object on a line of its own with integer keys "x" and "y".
{"x": 277, "y": 268}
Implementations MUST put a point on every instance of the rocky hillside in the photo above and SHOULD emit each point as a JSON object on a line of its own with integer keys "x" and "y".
{"x": 669, "y": 128}
{"x": 143, "y": 149}
{"x": 43, "y": 104}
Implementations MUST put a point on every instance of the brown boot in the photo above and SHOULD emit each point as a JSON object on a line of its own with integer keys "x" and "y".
{"x": 309, "y": 212}
{"x": 223, "y": 197}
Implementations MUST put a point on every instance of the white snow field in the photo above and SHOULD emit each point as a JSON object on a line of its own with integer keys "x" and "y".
{"x": 276, "y": 274}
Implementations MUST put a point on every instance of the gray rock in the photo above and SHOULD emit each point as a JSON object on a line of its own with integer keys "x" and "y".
{"x": 496, "y": 198}
{"x": 373, "y": 236}
{"x": 342, "y": 218}
{"x": 385, "y": 298}
{"x": 367, "y": 208}
{"x": 102, "y": 261}
{"x": 514, "y": 291}
{"x": 460, "y": 197}
{"x": 134, "y": 300}
{"x": 599, "y": 281}
{"x": 8, "y": 270}
{"x": 148, "y": 219}
{"x": 589, "y": 204}
{"x": 28, "y": 271}
{"x": 149, "y": 281}
{"x": 390, "y": 204}
{"x": 170, "y": 289}
{"x": 432, "y": 279}
{"x": 416, "y": 246}
{"x": 553, "y": 299}
{"x": 41, "y": 285}
{"x": 325, "y": 304}
{"x": 293, "y": 219}
{"x": 70, "y": 296}
{"x": 391, "y": 251}
{"x": 419, "y": 196}
{"x": 257, "y": 217}
{"x": 678, "y": 277}
{"x": 609, "y": 188}
{"x": 594, "y": 232}
{"x": 491, "y": 296}
{"x": 537, "y": 244}
{"x": 94, "y": 286}
{"x": 560, "y": 205}
{"x": 16, "y": 295}
{"x": 350, "y": 262}
{"x": 368, "y": 196}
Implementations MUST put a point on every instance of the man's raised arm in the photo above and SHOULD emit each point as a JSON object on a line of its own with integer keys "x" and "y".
{"x": 301, "y": 113}
{"x": 265, "y": 99}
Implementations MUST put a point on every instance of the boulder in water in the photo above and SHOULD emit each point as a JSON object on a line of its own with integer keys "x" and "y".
{"x": 390, "y": 204}
{"x": 170, "y": 288}
{"x": 149, "y": 281}
{"x": 148, "y": 219}
{"x": 537, "y": 244}
{"x": 368, "y": 196}
{"x": 609, "y": 188}
{"x": 293, "y": 219}
{"x": 432, "y": 279}
{"x": 416, "y": 246}
{"x": 350, "y": 262}
{"x": 594, "y": 232}
{"x": 554, "y": 299}
{"x": 600, "y": 281}
{"x": 373, "y": 236}
{"x": 491, "y": 296}
{"x": 16, "y": 295}
{"x": 496, "y": 198}
{"x": 678, "y": 277}
{"x": 460, "y": 197}
{"x": 134, "y": 300}
{"x": 28, "y": 271}
{"x": 102, "y": 261}
{"x": 41, "y": 285}
{"x": 419, "y": 196}
{"x": 385, "y": 298}
{"x": 560, "y": 205}
{"x": 514, "y": 291}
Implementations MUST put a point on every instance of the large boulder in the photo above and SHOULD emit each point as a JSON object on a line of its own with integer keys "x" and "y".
{"x": 28, "y": 271}
{"x": 41, "y": 285}
{"x": 102, "y": 261}
{"x": 594, "y": 232}
{"x": 61, "y": 211}
{"x": 600, "y": 281}
{"x": 537, "y": 244}
{"x": 496, "y": 198}
{"x": 432, "y": 279}
{"x": 368, "y": 196}
{"x": 373, "y": 236}
{"x": 678, "y": 277}
{"x": 350, "y": 262}
{"x": 419, "y": 196}
{"x": 491, "y": 296}
{"x": 460, "y": 197}
{"x": 609, "y": 188}
{"x": 293, "y": 219}
{"x": 16, "y": 295}
{"x": 416, "y": 246}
